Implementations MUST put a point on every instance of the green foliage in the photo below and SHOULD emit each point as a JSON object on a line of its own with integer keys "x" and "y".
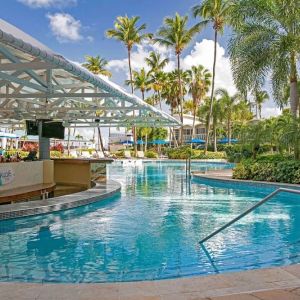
{"x": 273, "y": 168}
{"x": 151, "y": 154}
{"x": 182, "y": 152}
{"x": 14, "y": 152}
{"x": 186, "y": 152}
{"x": 200, "y": 154}
{"x": 56, "y": 154}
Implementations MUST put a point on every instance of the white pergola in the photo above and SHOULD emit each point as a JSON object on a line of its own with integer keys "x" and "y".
{"x": 36, "y": 83}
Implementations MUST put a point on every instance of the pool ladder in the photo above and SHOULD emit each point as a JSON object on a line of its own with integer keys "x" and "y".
{"x": 188, "y": 168}
{"x": 249, "y": 210}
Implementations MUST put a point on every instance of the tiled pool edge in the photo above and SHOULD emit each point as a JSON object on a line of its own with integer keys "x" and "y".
{"x": 276, "y": 281}
{"x": 24, "y": 209}
{"x": 220, "y": 178}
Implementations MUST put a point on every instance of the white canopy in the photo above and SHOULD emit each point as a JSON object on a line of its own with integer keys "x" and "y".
{"x": 36, "y": 83}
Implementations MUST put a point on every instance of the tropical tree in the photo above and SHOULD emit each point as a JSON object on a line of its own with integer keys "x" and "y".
{"x": 266, "y": 43}
{"x": 217, "y": 119}
{"x": 216, "y": 12}
{"x": 79, "y": 137}
{"x": 229, "y": 104}
{"x": 260, "y": 98}
{"x": 156, "y": 62}
{"x": 141, "y": 81}
{"x": 199, "y": 80}
{"x": 175, "y": 34}
{"x": 157, "y": 81}
{"x": 96, "y": 65}
{"x": 129, "y": 33}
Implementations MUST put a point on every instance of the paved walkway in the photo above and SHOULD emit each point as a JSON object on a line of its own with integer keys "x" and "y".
{"x": 267, "y": 284}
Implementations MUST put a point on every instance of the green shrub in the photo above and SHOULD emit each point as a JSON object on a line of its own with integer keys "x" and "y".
{"x": 151, "y": 154}
{"x": 273, "y": 168}
{"x": 14, "y": 152}
{"x": 199, "y": 154}
{"x": 184, "y": 152}
{"x": 56, "y": 154}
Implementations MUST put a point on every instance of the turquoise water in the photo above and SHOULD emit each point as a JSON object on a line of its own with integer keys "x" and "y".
{"x": 152, "y": 230}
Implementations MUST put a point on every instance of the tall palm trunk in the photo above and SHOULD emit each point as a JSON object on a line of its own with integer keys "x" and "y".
{"x": 294, "y": 97}
{"x": 193, "y": 126}
{"x": 215, "y": 136}
{"x": 194, "y": 121}
{"x": 228, "y": 131}
{"x": 212, "y": 91}
{"x": 100, "y": 140}
{"x": 172, "y": 130}
{"x": 180, "y": 98}
{"x": 159, "y": 99}
{"x": 131, "y": 83}
{"x": 143, "y": 94}
{"x": 68, "y": 142}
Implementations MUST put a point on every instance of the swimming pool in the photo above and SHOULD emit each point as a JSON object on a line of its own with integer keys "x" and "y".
{"x": 152, "y": 231}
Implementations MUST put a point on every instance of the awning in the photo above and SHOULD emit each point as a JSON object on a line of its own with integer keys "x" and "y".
{"x": 36, "y": 83}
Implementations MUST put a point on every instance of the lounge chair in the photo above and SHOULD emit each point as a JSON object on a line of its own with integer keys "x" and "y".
{"x": 127, "y": 154}
{"x": 140, "y": 154}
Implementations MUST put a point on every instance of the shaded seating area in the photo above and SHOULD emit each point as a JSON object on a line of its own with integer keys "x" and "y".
{"x": 38, "y": 191}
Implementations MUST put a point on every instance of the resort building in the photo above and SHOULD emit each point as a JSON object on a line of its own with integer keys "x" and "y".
{"x": 188, "y": 129}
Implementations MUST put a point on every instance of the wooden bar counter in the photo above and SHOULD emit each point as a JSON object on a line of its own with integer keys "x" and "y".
{"x": 80, "y": 171}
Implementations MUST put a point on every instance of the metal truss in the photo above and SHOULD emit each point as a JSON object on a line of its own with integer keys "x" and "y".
{"x": 36, "y": 83}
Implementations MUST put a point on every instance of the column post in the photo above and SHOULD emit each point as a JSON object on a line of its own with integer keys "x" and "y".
{"x": 44, "y": 144}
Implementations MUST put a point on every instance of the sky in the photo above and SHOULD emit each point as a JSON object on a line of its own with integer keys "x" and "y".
{"x": 75, "y": 28}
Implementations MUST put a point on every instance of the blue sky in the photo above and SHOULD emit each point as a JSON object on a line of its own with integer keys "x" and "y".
{"x": 95, "y": 17}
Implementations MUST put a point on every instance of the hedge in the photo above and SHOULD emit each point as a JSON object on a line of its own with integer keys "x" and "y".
{"x": 273, "y": 168}
{"x": 186, "y": 152}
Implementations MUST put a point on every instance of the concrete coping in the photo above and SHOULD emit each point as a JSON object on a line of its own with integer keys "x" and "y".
{"x": 225, "y": 178}
{"x": 100, "y": 191}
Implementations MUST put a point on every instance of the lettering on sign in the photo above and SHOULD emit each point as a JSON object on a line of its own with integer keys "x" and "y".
{"x": 7, "y": 175}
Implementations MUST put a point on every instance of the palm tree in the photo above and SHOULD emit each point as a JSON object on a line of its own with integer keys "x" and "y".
{"x": 217, "y": 118}
{"x": 260, "y": 98}
{"x": 140, "y": 81}
{"x": 229, "y": 108}
{"x": 199, "y": 80}
{"x": 266, "y": 43}
{"x": 79, "y": 137}
{"x": 176, "y": 35}
{"x": 157, "y": 81}
{"x": 156, "y": 62}
{"x": 216, "y": 12}
{"x": 96, "y": 65}
{"x": 126, "y": 31}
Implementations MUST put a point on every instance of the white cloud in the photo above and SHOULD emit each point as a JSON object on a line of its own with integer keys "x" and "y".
{"x": 48, "y": 3}
{"x": 65, "y": 27}
{"x": 138, "y": 59}
{"x": 202, "y": 54}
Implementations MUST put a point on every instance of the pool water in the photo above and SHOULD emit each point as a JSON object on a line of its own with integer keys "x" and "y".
{"x": 152, "y": 231}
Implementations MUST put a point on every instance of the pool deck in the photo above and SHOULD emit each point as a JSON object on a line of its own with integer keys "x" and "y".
{"x": 282, "y": 283}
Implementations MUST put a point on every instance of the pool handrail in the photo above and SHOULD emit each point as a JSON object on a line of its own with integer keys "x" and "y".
{"x": 264, "y": 200}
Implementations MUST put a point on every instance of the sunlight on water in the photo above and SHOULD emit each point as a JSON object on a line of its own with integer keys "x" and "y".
{"x": 152, "y": 230}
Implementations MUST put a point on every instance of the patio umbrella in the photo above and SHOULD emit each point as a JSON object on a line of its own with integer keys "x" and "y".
{"x": 226, "y": 141}
{"x": 140, "y": 142}
{"x": 127, "y": 142}
{"x": 159, "y": 142}
{"x": 196, "y": 141}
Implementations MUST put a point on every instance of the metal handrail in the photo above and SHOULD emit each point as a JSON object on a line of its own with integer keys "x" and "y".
{"x": 271, "y": 195}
